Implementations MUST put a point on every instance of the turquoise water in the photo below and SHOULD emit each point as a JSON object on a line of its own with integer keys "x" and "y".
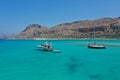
{"x": 21, "y": 60}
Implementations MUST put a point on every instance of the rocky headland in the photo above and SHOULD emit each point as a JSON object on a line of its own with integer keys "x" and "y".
{"x": 103, "y": 28}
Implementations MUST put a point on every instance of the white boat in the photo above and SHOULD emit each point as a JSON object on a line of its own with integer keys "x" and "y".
{"x": 57, "y": 51}
{"x": 45, "y": 47}
{"x": 48, "y": 47}
{"x": 95, "y": 45}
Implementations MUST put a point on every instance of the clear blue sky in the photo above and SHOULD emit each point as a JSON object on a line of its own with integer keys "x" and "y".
{"x": 15, "y": 15}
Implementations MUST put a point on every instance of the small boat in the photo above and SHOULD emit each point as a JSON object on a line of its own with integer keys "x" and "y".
{"x": 57, "y": 51}
{"x": 96, "y": 46}
{"x": 46, "y": 47}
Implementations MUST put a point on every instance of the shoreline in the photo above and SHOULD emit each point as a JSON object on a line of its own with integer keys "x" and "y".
{"x": 60, "y": 39}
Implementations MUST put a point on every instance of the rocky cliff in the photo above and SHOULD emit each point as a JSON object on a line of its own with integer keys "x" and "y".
{"x": 103, "y": 28}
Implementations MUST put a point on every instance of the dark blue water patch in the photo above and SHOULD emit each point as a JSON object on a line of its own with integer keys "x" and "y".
{"x": 114, "y": 73}
{"x": 96, "y": 77}
{"x": 73, "y": 65}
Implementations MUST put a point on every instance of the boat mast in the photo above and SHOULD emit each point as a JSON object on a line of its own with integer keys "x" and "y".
{"x": 94, "y": 34}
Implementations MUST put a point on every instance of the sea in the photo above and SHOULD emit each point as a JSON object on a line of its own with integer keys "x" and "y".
{"x": 22, "y": 60}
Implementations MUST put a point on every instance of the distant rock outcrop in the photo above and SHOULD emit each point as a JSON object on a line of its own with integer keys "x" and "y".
{"x": 33, "y": 31}
{"x": 104, "y": 28}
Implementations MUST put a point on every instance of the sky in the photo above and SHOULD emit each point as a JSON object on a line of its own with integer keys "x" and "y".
{"x": 15, "y": 15}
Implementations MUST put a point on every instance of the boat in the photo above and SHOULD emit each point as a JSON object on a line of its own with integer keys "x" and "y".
{"x": 57, "y": 51}
{"x": 45, "y": 47}
{"x": 48, "y": 47}
{"x": 95, "y": 45}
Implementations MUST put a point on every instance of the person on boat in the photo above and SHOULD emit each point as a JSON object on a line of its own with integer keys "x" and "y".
{"x": 48, "y": 46}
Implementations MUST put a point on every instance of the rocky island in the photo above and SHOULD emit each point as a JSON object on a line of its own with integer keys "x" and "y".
{"x": 104, "y": 28}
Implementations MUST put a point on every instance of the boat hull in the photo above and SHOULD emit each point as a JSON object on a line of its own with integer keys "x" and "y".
{"x": 97, "y": 46}
{"x": 43, "y": 48}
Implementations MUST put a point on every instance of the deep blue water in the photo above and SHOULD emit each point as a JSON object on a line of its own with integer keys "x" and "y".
{"x": 21, "y": 60}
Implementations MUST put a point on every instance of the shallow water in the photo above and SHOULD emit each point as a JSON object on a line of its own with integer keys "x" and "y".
{"x": 21, "y": 60}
